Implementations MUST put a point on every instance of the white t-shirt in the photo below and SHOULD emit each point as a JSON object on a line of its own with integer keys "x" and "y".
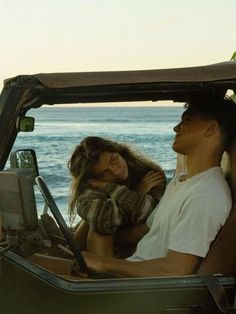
{"x": 188, "y": 217}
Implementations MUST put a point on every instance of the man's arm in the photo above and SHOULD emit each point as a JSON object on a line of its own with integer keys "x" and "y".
{"x": 174, "y": 264}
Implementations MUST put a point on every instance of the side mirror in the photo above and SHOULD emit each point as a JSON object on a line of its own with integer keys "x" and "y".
{"x": 25, "y": 159}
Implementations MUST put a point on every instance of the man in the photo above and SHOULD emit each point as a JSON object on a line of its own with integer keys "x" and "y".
{"x": 194, "y": 206}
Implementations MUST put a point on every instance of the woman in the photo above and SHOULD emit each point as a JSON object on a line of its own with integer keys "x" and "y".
{"x": 113, "y": 189}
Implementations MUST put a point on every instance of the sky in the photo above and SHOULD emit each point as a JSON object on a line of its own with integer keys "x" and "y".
{"x": 107, "y": 35}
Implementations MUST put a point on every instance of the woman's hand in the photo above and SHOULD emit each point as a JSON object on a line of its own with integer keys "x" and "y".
{"x": 151, "y": 179}
{"x": 99, "y": 184}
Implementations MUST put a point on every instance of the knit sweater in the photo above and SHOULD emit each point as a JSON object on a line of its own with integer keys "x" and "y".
{"x": 116, "y": 206}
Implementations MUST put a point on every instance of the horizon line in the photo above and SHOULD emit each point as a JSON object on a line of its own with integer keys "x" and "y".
{"x": 109, "y": 105}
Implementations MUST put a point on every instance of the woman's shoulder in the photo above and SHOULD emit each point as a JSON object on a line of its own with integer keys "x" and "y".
{"x": 91, "y": 193}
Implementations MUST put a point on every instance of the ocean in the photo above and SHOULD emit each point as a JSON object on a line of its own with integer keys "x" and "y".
{"x": 58, "y": 130}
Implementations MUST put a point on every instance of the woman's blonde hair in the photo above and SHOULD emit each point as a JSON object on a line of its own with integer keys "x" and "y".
{"x": 86, "y": 154}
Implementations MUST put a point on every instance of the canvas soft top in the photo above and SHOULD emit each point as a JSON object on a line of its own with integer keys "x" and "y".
{"x": 24, "y": 92}
{"x": 208, "y": 73}
{"x": 176, "y": 84}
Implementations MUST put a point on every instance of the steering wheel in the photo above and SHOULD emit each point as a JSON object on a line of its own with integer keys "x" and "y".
{"x": 74, "y": 247}
{"x": 62, "y": 224}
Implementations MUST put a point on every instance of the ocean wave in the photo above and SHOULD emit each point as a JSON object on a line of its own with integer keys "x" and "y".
{"x": 57, "y": 132}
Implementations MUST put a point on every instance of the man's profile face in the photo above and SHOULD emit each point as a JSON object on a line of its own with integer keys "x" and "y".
{"x": 189, "y": 134}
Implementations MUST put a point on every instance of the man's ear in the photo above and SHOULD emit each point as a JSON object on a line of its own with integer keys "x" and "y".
{"x": 212, "y": 128}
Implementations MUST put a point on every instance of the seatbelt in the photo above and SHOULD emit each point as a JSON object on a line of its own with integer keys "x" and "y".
{"x": 218, "y": 293}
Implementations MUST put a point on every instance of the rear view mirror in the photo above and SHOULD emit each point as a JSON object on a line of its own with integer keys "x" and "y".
{"x": 25, "y": 159}
{"x": 25, "y": 124}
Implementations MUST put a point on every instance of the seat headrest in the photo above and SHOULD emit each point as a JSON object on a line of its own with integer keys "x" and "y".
{"x": 228, "y": 165}
{"x": 17, "y": 200}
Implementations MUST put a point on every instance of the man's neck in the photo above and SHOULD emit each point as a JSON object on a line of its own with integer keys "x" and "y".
{"x": 196, "y": 164}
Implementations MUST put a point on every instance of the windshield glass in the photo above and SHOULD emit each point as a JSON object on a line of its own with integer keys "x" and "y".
{"x": 59, "y": 129}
